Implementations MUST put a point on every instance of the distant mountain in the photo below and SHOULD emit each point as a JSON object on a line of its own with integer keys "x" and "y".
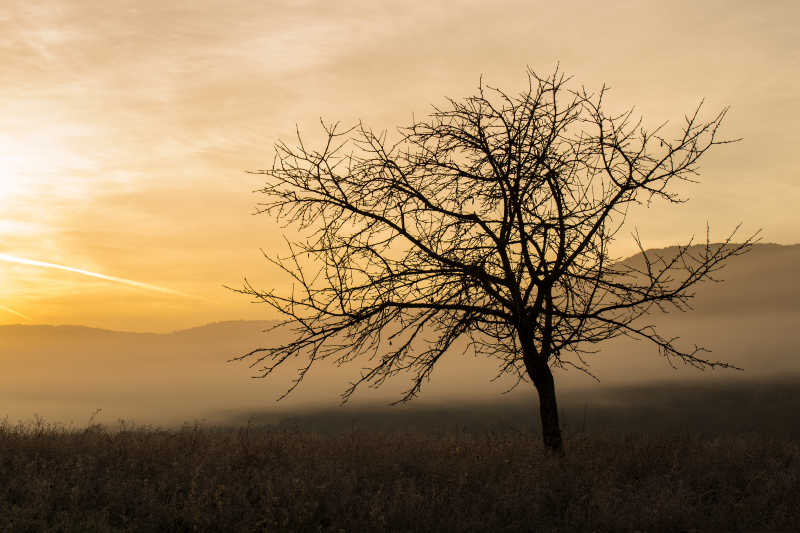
{"x": 764, "y": 280}
{"x": 66, "y": 372}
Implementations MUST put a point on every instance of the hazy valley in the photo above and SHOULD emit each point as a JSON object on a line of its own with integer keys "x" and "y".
{"x": 66, "y": 373}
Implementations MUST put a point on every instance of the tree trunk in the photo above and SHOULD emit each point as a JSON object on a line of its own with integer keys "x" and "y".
{"x": 542, "y": 379}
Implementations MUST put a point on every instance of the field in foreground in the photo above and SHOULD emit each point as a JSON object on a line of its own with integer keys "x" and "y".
{"x": 288, "y": 479}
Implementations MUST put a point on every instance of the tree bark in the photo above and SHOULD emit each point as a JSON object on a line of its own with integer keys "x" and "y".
{"x": 542, "y": 379}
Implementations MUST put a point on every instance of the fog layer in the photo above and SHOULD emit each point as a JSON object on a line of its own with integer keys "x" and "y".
{"x": 66, "y": 373}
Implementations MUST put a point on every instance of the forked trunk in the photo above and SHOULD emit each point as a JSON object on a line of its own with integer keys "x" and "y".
{"x": 542, "y": 379}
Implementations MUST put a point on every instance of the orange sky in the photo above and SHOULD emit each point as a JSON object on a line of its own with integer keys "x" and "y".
{"x": 126, "y": 126}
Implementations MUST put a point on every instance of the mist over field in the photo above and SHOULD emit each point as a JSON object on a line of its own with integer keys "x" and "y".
{"x": 66, "y": 373}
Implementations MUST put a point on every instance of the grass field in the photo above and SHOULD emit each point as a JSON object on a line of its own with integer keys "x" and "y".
{"x": 278, "y": 478}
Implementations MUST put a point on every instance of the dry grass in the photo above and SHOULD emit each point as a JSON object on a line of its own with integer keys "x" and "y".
{"x": 279, "y": 479}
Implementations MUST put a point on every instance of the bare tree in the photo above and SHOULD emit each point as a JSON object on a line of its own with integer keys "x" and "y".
{"x": 490, "y": 220}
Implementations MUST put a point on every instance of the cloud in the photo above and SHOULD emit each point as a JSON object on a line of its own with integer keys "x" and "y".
{"x": 13, "y": 312}
{"x": 138, "y": 284}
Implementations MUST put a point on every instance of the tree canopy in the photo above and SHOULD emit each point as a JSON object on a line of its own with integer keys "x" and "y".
{"x": 490, "y": 220}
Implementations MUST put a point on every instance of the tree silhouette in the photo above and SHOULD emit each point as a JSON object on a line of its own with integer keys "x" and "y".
{"x": 490, "y": 220}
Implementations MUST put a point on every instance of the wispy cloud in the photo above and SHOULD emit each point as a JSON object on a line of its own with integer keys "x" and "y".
{"x": 139, "y": 284}
{"x": 13, "y": 312}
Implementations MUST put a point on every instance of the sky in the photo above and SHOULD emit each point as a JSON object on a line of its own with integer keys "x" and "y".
{"x": 127, "y": 127}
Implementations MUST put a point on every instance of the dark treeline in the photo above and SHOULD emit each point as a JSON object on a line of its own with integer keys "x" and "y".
{"x": 708, "y": 407}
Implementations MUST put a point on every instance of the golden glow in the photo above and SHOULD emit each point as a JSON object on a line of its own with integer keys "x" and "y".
{"x": 133, "y": 157}
{"x": 44, "y": 264}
